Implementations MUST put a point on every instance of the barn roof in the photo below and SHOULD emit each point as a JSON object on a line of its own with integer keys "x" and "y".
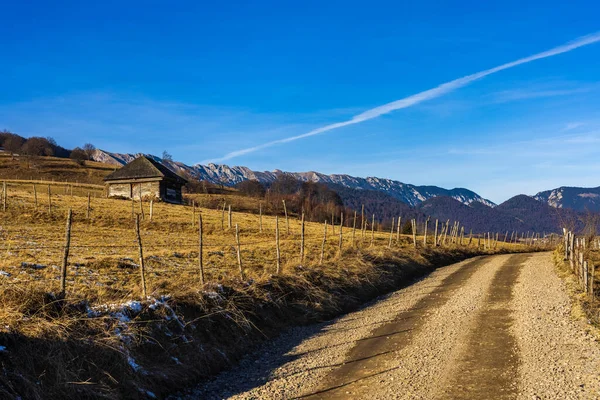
{"x": 143, "y": 167}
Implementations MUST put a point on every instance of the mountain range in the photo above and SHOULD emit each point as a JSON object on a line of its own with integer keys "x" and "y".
{"x": 576, "y": 198}
{"x": 224, "y": 174}
{"x": 546, "y": 211}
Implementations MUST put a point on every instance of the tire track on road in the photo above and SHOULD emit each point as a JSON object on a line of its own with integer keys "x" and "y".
{"x": 366, "y": 358}
{"x": 489, "y": 364}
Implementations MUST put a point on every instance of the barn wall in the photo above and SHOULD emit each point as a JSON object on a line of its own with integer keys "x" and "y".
{"x": 147, "y": 189}
{"x": 119, "y": 190}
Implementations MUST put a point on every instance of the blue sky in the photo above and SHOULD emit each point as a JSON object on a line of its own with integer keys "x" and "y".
{"x": 207, "y": 79}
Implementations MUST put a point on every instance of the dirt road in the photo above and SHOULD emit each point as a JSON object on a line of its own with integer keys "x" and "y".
{"x": 497, "y": 327}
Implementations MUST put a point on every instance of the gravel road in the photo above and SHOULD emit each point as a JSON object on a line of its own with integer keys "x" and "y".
{"x": 497, "y": 327}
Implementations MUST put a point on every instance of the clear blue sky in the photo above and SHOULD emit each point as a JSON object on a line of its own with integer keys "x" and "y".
{"x": 205, "y": 79}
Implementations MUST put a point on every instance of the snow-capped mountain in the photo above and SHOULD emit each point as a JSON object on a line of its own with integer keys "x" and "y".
{"x": 579, "y": 199}
{"x": 220, "y": 173}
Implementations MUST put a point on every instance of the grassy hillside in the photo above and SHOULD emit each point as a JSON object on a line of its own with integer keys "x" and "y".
{"x": 52, "y": 169}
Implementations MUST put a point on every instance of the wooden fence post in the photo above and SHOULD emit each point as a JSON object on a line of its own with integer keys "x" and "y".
{"x": 223, "y": 217}
{"x": 435, "y": 243}
{"x": 132, "y": 207}
{"x": 229, "y": 217}
{"x": 323, "y": 244}
{"x": 287, "y": 221}
{"x": 391, "y": 234}
{"x": 49, "y": 201}
{"x": 341, "y": 237}
{"x": 585, "y": 277}
{"x": 566, "y": 244}
{"x": 142, "y": 206}
{"x": 239, "y": 251}
{"x": 35, "y": 196}
{"x": 362, "y": 222}
{"x": 278, "y": 271}
{"x": 414, "y": 231}
{"x": 87, "y": 214}
{"x": 446, "y": 232}
{"x": 425, "y": 233}
{"x": 141, "y": 254}
{"x": 63, "y": 270}
{"x": 200, "y": 245}
{"x": 398, "y": 230}
{"x": 353, "y": 228}
{"x": 151, "y": 209}
{"x": 581, "y": 268}
{"x": 302, "y": 240}
{"x": 456, "y": 231}
{"x": 592, "y": 272}
{"x": 372, "y": 229}
{"x": 260, "y": 226}
{"x": 462, "y": 234}
{"x": 470, "y": 236}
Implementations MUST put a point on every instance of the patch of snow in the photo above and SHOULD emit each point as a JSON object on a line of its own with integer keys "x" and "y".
{"x": 176, "y": 360}
{"x": 32, "y": 265}
{"x": 135, "y": 366}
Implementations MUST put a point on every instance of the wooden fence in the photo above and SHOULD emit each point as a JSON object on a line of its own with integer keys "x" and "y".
{"x": 577, "y": 252}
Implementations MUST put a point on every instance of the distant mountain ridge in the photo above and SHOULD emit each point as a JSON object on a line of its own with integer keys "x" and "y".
{"x": 218, "y": 173}
{"x": 576, "y": 198}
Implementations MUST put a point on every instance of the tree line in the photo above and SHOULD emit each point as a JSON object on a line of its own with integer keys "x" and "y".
{"x": 37, "y": 146}
{"x": 317, "y": 201}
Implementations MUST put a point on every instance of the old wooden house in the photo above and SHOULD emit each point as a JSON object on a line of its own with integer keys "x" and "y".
{"x": 147, "y": 179}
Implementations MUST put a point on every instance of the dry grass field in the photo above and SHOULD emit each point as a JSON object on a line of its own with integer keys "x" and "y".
{"x": 104, "y": 255}
{"x": 105, "y": 341}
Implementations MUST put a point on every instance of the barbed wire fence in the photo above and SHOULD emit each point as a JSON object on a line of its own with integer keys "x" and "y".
{"x": 210, "y": 259}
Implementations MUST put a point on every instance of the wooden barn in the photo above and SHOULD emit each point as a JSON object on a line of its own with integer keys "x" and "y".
{"x": 147, "y": 179}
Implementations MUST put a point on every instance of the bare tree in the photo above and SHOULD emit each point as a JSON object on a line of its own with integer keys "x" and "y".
{"x": 78, "y": 155}
{"x": 166, "y": 156}
{"x": 89, "y": 150}
{"x": 13, "y": 144}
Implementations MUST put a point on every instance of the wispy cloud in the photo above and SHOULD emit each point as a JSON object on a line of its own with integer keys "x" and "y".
{"x": 573, "y": 125}
{"x": 506, "y": 96}
{"x": 412, "y": 100}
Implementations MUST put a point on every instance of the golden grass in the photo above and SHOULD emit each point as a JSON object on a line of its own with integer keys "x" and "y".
{"x": 104, "y": 253}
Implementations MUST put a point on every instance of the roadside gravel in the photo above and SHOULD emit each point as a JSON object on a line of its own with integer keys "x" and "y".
{"x": 559, "y": 359}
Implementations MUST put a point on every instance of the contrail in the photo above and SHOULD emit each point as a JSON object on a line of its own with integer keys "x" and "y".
{"x": 409, "y": 101}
